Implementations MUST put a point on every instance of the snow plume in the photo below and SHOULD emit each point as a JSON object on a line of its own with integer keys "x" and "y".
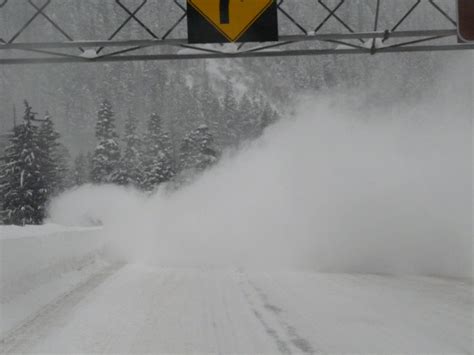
{"x": 338, "y": 187}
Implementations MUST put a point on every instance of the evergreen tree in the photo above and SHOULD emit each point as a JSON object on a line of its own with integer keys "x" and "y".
{"x": 269, "y": 116}
{"x": 249, "y": 119}
{"x": 180, "y": 107}
{"x": 197, "y": 151}
{"x": 52, "y": 159}
{"x": 106, "y": 159}
{"x": 157, "y": 161}
{"x": 22, "y": 186}
{"x": 131, "y": 162}
{"x": 210, "y": 107}
{"x": 230, "y": 116}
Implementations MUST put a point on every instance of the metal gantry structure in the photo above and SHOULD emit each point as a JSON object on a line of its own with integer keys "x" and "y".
{"x": 297, "y": 38}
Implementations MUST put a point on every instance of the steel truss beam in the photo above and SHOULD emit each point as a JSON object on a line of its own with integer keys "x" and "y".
{"x": 162, "y": 46}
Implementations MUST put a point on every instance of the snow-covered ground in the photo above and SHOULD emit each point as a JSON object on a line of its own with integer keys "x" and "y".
{"x": 18, "y": 310}
{"x": 39, "y": 263}
{"x": 59, "y": 294}
{"x": 134, "y": 309}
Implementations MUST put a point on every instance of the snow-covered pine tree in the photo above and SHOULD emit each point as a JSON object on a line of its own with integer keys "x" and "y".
{"x": 210, "y": 107}
{"x": 230, "y": 117}
{"x": 131, "y": 161}
{"x": 268, "y": 116}
{"x": 197, "y": 151}
{"x": 22, "y": 186}
{"x": 157, "y": 162}
{"x": 249, "y": 127}
{"x": 52, "y": 161}
{"x": 106, "y": 159}
{"x": 180, "y": 107}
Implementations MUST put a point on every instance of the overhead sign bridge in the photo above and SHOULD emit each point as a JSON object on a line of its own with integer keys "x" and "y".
{"x": 45, "y": 31}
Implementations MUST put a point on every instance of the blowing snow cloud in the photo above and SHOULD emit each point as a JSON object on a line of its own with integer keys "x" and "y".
{"x": 336, "y": 187}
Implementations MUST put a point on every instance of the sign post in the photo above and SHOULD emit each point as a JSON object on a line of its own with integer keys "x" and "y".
{"x": 466, "y": 20}
{"x": 221, "y": 21}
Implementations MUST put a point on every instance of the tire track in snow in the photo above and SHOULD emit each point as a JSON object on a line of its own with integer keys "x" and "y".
{"x": 39, "y": 324}
{"x": 266, "y": 310}
{"x": 280, "y": 343}
{"x": 296, "y": 339}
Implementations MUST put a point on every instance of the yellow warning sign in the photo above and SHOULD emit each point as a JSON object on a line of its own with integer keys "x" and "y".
{"x": 232, "y": 18}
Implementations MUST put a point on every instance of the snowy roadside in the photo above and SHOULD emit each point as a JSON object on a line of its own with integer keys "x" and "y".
{"x": 23, "y": 307}
{"x": 39, "y": 263}
{"x": 15, "y": 232}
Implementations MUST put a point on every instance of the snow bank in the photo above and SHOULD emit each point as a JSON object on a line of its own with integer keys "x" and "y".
{"x": 15, "y": 232}
{"x": 34, "y": 255}
{"x": 25, "y": 306}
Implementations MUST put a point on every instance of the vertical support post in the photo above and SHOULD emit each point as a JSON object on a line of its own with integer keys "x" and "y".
{"x": 373, "y": 48}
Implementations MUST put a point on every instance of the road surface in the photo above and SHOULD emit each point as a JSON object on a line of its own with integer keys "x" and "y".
{"x": 133, "y": 309}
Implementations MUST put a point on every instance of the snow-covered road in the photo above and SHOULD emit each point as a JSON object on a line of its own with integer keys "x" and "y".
{"x": 134, "y": 309}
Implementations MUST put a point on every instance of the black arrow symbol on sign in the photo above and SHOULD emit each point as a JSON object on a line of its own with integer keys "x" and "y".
{"x": 224, "y": 10}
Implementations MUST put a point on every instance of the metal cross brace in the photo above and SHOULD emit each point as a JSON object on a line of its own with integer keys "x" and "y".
{"x": 27, "y": 23}
{"x": 124, "y": 23}
{"x": 133, "y": 15}
{"x": 55, "y": 25}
